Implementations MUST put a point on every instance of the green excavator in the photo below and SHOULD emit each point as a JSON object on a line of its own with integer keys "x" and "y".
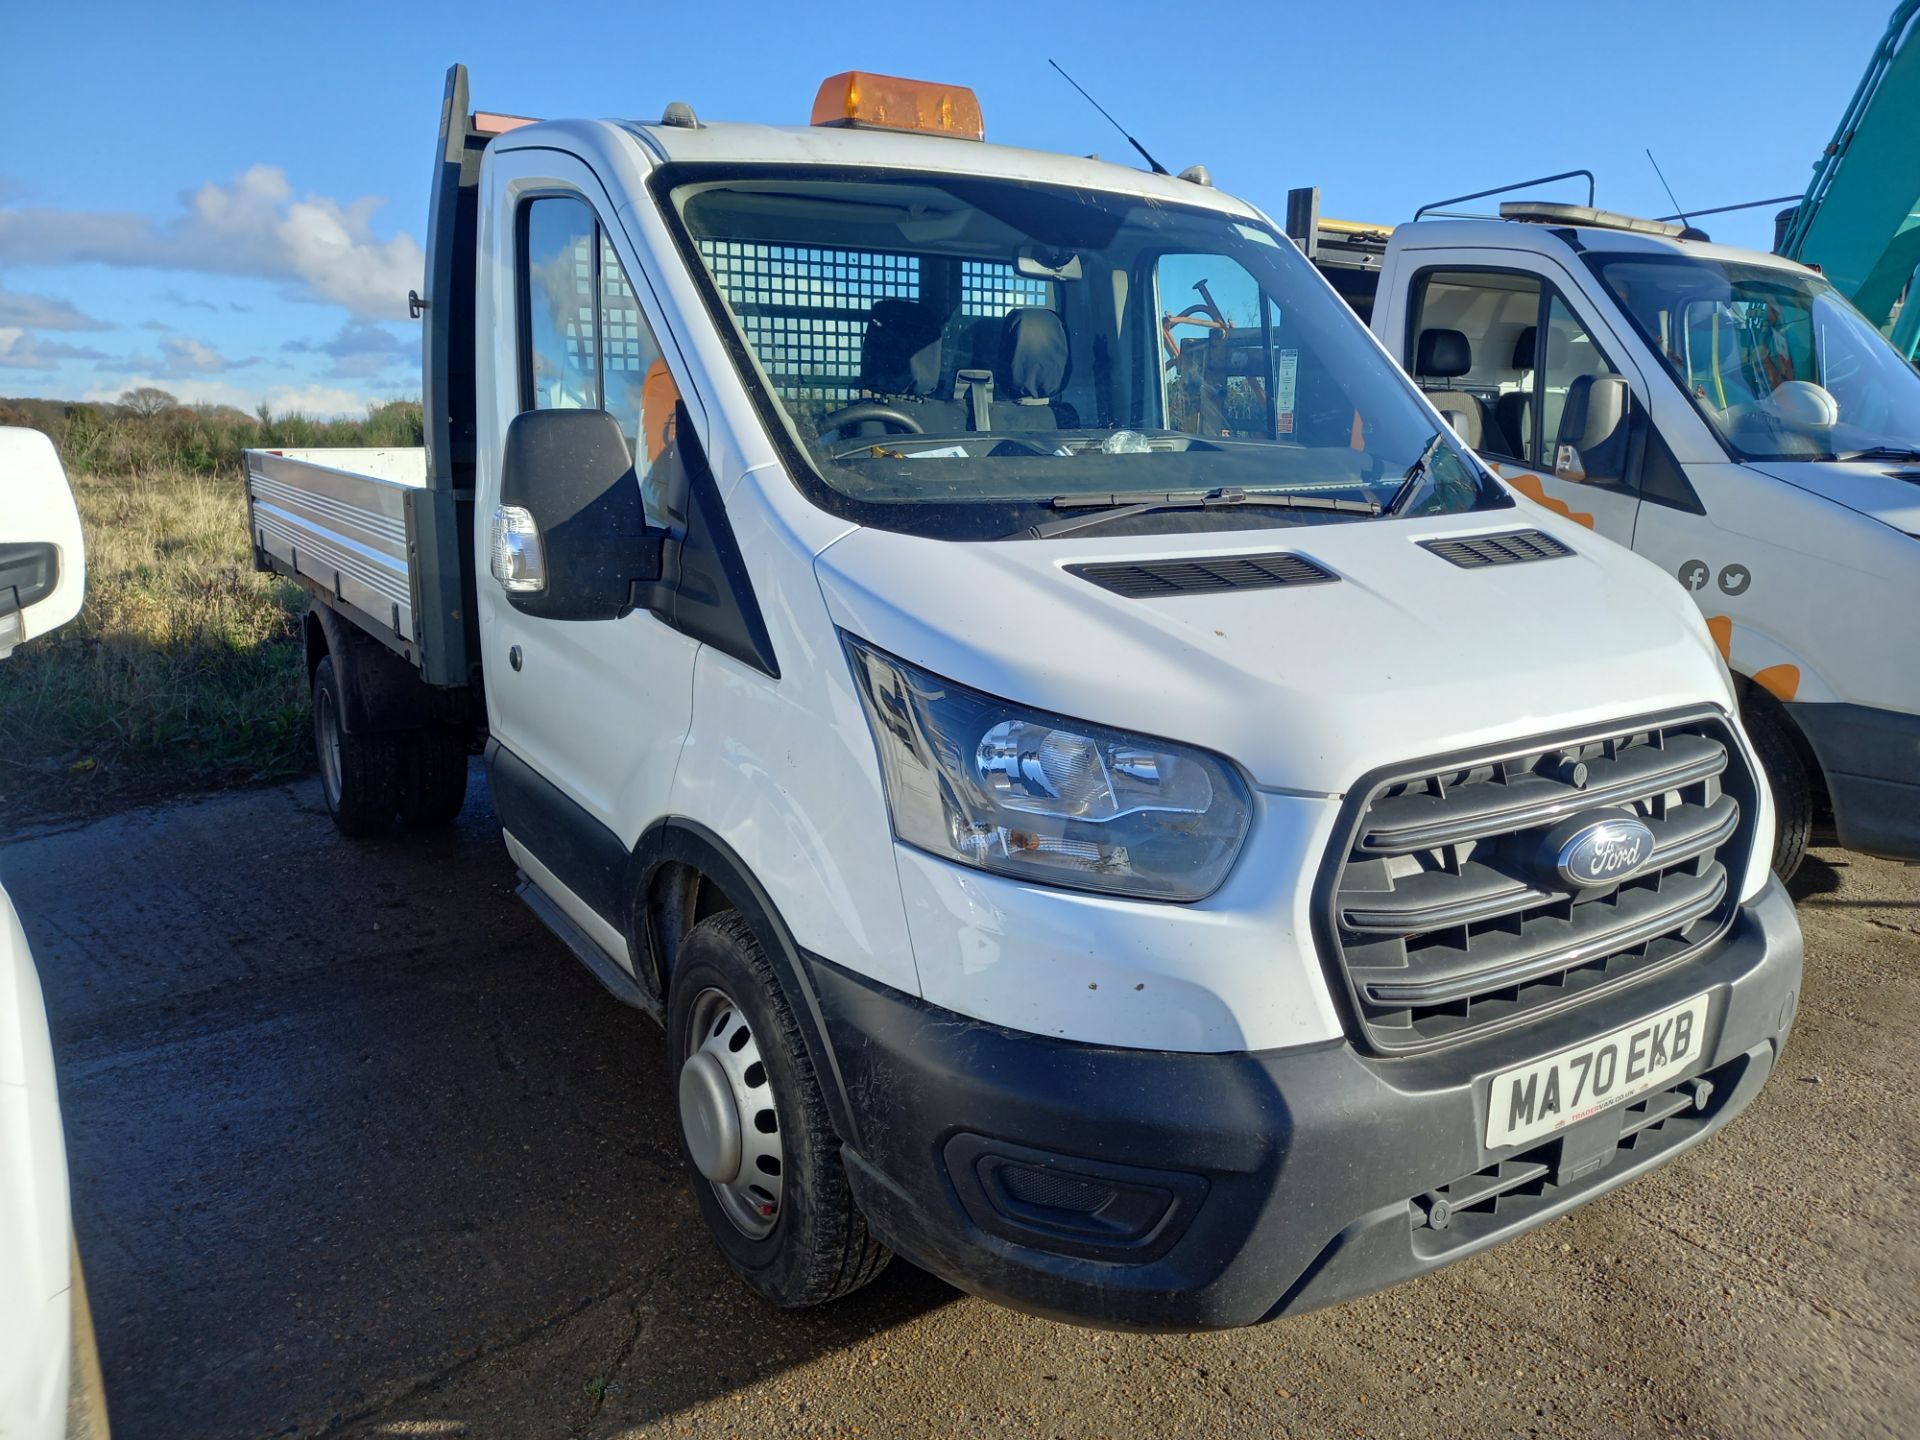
{"x": 1860, "y": 218}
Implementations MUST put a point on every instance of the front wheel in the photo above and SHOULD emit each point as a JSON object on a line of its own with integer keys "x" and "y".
{"x": 1787, "y": 779}
{"x": 760, "y": 1149}
{"x": 359, "y": 771}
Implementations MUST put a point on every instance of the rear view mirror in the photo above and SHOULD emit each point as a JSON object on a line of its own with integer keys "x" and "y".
{"x": 570, "y": 539}
{"x": 43, "y": 561}
{"x": 1594, "y": 431}
{"x": 1042, "y": 262}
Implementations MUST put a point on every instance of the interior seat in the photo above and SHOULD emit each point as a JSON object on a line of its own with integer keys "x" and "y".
{"x": 1513, "y": 411}
{"x": 1032, "y": 371}
{"x": 1446, "y": 355}
{"x": 900, "y": 360}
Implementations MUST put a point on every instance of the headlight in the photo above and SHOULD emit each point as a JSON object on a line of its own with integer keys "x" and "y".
{"x": 986, "y": 783}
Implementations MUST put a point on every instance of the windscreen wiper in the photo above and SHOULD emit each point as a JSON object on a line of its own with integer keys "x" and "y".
{"x": 1119, "y": 505}
{"x": 1416, "y": 472}
{"x": 1882, "y": 452}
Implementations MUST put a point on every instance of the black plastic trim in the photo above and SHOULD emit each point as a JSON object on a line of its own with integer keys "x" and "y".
{"x": 583, "y": 854}
{"x": 708, "y": 594}
{"x": 1870, "y": 759}
{"x": 1315, "y": 1158}
{"x": 29, "y": 570}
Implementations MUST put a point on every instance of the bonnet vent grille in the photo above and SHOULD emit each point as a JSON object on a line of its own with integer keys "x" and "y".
{"x": 1144, "y": 579}
{"x": 1517, "y": 547}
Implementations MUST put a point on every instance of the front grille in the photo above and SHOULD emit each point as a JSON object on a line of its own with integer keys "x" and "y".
{"x": 1448, "y": 919}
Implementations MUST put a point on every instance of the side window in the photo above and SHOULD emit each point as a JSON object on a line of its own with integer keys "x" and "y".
{"x": 1234, "y": 364}
{"x": 557, "y": 273}
{"x": 1472, "y": 350}
{"x": 1571, "y": 356}
{"x": 586, "y": 343}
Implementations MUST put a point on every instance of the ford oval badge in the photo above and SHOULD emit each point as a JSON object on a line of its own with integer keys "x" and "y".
{"x": 1605, "y": 852}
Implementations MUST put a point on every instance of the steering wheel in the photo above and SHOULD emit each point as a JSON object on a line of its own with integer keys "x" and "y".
{"x": 891, "y": 416}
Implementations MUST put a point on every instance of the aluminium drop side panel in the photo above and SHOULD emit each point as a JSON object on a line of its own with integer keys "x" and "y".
{"x": 341, "y": 533}
{"x": 439, "y": 520}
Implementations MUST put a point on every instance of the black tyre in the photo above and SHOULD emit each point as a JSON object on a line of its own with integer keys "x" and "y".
{"x": 435, "y": 781}
{"x": 1787, "y": 777}
{"x": 360, "y": 772}
{"x": 760, "y": 1150}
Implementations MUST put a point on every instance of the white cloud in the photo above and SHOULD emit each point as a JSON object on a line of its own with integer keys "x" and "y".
{"x": 254, "y": 226}
{"x": 321, "y": 402}
{"x": 43, "y": 312}
{"x": 22, "y": 350}
{"x": 186, "y": 356}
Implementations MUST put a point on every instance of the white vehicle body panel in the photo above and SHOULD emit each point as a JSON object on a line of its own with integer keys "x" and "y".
{"x": 36, "y": 1227}
{"x": 1809, "y": 567}
{"x": 37, "y": 507}
{"x": 35, "y": 1278}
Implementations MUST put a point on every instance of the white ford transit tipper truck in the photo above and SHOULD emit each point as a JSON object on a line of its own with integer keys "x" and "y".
{"x": 1157, "y": 845}
{"x": 1726, "y": 413}
{"x": 49, "y": 1363}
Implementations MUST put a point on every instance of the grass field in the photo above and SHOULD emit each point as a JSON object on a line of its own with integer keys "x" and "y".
{"x": 183, "y": 670}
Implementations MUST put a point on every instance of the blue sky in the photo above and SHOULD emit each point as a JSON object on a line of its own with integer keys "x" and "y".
{"x": 228, "y": 200}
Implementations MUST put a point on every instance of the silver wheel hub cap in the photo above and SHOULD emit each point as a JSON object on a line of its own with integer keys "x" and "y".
{"x": 728, "y": 1116}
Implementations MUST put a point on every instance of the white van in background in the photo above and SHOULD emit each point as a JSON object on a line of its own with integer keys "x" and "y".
{"x": 49, "y": 1368}
{"x": 1724, "y": 412}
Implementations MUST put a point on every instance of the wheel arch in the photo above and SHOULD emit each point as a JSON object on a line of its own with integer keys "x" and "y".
{"x": 679, "y": 873}
{"x": 1755, "y": 696}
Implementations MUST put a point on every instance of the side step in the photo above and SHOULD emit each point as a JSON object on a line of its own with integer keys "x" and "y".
{"x": 607, "y": 970}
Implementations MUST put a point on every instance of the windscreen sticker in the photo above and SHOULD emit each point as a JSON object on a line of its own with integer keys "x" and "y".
{"x": 1286, "y": 374}
{"x": 1256, "y": 234}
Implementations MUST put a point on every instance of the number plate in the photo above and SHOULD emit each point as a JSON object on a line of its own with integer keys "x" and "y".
{"x": 1551, "y": 1094}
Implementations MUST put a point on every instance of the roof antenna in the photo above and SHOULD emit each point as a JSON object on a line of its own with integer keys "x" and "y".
{"x": 1669, "y": 189}
{"x": 1154, "y": 164}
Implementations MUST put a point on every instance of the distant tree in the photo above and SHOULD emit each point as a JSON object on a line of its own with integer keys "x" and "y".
{"x": 147, "y": 400}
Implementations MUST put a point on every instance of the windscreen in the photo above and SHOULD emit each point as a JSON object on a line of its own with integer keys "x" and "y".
{"x": 957, "y": 356}
{"x": 1781, "y": 366}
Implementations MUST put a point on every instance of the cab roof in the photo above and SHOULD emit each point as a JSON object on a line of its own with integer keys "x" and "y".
{"x": 1534, "y": 235}
{"x": 749, "y": 144}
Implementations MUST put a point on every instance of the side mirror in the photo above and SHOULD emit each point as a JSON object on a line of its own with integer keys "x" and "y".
{"x": 43, "y": 561}
{"x": 1594, "y": 435}
{"x": 570, "y": 539}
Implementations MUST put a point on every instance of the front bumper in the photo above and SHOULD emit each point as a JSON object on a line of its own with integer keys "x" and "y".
{"x": 1244, "y": 1187}
{"x": 1871, "y": 760}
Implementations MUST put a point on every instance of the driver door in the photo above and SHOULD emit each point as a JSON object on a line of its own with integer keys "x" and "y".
{"x": 590, "y": 714}
{"x": 1532, "y": 360}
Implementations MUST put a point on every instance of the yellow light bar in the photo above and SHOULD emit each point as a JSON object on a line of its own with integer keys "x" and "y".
{"x": 864, "y": 100}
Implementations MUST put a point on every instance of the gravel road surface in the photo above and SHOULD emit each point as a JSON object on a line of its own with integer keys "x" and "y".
{"x": 359, "y": 1149}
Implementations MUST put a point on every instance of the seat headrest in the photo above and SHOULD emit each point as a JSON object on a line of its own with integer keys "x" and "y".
{"x": 1523, "y": 349}
{"x": 1034, "y": 360}
{"x": 900, "y": 351}
{"x": 1442, "y": 354}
